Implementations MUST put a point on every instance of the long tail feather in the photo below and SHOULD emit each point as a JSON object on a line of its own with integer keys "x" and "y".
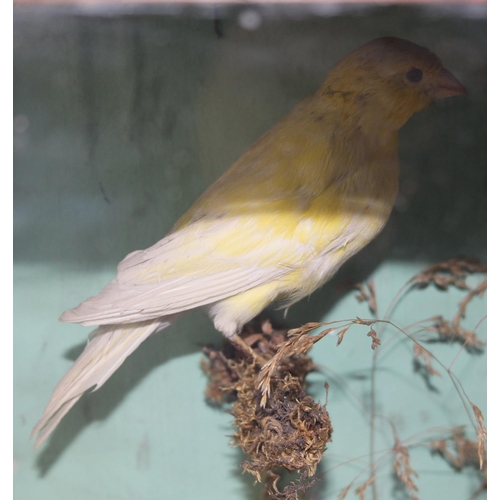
{"x": 107, "y": 349}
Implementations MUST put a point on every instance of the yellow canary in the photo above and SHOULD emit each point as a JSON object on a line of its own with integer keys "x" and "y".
{"x": 303, "y": 199}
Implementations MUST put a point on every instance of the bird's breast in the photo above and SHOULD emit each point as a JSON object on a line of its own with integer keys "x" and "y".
{"x": 344, "y": 219}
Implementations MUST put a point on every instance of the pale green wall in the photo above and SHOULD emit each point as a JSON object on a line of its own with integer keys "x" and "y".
{"x": 130, "y": 116}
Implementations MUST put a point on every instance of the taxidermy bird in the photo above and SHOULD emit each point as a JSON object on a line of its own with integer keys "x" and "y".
{"x": 303, "y": 199}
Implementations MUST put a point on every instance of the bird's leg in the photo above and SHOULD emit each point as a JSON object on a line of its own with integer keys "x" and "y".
{"x": 243, "y": 347}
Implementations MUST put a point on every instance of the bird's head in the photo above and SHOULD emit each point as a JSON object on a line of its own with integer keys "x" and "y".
{"x": 395, "y": 77}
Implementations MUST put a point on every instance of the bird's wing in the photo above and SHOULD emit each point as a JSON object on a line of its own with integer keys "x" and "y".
{"x": 200, "y": 264}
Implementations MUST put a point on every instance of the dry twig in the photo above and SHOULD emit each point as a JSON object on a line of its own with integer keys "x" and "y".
{"x": 466, "y": 453}
{"x": 402, "y": 467}
{"x": 367, "y": 293}
{"x": 452, "y": 272}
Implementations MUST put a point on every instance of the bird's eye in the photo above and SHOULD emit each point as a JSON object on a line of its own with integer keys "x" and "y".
{"x": 414, "y": 75}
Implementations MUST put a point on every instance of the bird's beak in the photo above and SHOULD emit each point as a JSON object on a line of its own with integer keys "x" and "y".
{"x": 447, "y": 85}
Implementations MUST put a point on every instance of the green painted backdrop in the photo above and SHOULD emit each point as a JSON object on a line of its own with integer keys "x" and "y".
{"x": 121, "y": 118}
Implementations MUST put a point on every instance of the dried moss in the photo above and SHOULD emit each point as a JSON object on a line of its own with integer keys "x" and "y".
{"x": 291, "y": 431}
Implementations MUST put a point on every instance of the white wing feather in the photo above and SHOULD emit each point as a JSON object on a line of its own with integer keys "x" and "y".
{"x": 119, "y": 303}
{"x": 183, "y": 271}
